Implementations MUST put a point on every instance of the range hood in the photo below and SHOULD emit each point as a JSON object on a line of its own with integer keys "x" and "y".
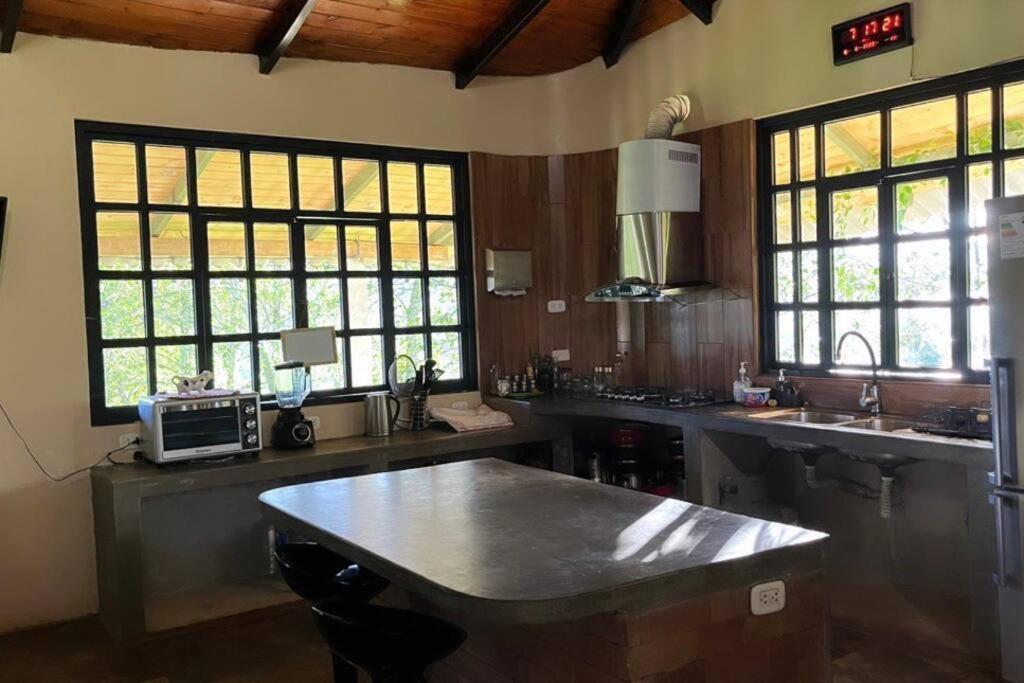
{"x": 659, "y": 242}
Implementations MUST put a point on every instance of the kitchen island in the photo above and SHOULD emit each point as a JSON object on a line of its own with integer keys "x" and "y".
{"x": 556, "y": 578}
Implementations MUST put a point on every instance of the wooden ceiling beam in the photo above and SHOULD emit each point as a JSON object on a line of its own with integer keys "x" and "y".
{"x": 622, "y": 31}
{"x": 700, "y": 9}
{"x": 9, "y": 27}
{"x": 516, "y": 21}
{"x": 273, "y": 49}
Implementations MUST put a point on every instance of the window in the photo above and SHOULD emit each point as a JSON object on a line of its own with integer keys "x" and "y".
{"x": 199, "y": 248}
{"x": 873, "y": 220}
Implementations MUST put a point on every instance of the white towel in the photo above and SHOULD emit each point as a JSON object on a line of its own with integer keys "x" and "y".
{"x": 483, "y": 417}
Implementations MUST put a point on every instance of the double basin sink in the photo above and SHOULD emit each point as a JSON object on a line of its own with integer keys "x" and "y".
{"x": 842, "y": 422}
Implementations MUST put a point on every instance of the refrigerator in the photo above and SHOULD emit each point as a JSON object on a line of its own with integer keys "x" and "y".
{"x": 1006, "y": 320}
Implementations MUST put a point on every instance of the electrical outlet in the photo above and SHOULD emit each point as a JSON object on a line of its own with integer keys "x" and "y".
{"x": 460, "y": 405}
{"x": 556, "y": 306}
{"x": 316, "y": 422}
{"x": 560, "y": 355}
{"x": 768, "y": 598}
{"x": 125, "y": 440}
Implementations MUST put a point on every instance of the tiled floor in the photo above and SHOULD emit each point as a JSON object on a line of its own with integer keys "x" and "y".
{"x": 281, "y": 645}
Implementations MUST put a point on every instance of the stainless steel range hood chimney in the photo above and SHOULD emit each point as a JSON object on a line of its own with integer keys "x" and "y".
{"x": 659, "y": 250}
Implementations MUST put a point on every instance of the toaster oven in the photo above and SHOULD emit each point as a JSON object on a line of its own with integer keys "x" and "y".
{"x": 178, "y": 429}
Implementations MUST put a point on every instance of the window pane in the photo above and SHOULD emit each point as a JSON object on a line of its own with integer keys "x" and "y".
{"x": 977, "y": 266}
{"x": 868, "y": 323}
{"x": 229, "y": 306}
{"x": 361, "y": 185}
{"x": 444, "y": 301}
{"x": 219, "y": 174}
{"x": 363, "y": 304}
{"x": 117, "y": 241}
{"x": 316, "y": 183}
{"x": 808, "y": 158}
{"x": 1013, "y": 116}
{"x": 166, "y": 175}
{"x": 170, "y": 241}
{"x": 412, "y": 345}
{"x": 408, "y": 302}
{"x": 855, "y": 213}
{"x": 269, "y": 355}
{"x": 855, "y": 273}
{"x": 329, "y": 377}
{"x": 226, "y": 246}
{"x": 114, "y": 172}
{"x": 171, "y": 361}
{"x": 367, "y": 361}
{"x": 447, "y": 351}
{"x": 437, "y": 184}
{"x": 272, "y": 243}
{"x": 270, "y": 181}
{"x": 924, "y": 132}
{"x": 123, "y": 311}
{"x": 979, "y": 190}
{"x": 361, "y": 248}
{"x": 441, "y": 245}
{"x": 784, "y": 277}
{"x": 785, "y": 337}
{"x": 925, "y": 338}
{"x": 979, "y": 122}
{"x": 324, "y": 302}
{"x": 809, "y": 276}
{"x": 322, "y": 248}
{"x": 232, "y": 365}
{"x": 853, "y": 145}
{"x": 174, "y": 308}
{"x": 922, "y": 271}
{"x": 405, "y": 245}
{"x": 1013, "y": 177}
{"x": 808, "y": 215}
{"x": 810, "y": 338}
{"x": 980, "y": 348}
{"x": 403, "y": 193}
{"x": 922, "y": 206}
{"x": 781, "y": 156}
{"x": 274, "y": 310}
{"x": 783, "y": 218}
{"x": 125, "y": 376}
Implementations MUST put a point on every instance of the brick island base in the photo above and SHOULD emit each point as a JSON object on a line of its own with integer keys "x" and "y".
{"x": 709, "y": 639}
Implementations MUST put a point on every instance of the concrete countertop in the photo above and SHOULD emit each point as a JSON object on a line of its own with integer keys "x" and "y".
{"x": 734, "y": 418}
{"x": 492, "y": 540}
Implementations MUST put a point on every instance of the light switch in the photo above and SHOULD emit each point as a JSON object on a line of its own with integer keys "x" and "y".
{"x": 556, "y": 306}
{"x": 560, "y": 355}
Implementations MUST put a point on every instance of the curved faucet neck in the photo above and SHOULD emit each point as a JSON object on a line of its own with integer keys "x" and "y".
{"x": 867, "y": 344}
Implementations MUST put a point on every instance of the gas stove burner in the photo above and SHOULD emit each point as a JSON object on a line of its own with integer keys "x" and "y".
{"x": 657, "y": 397}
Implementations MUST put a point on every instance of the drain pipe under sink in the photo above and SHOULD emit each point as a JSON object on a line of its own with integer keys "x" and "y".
{"x": 884, "y": 496}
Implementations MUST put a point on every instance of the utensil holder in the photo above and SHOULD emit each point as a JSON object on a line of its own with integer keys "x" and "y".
{"x": 418, "y": 412}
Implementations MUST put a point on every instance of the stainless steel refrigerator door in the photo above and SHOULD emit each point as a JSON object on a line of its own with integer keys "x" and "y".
{"x": 1006, "y": 316}
{"x": 1010, "y": 577}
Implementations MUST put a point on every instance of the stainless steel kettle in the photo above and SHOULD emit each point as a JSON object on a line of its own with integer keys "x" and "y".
{"x": 379, "y": 419}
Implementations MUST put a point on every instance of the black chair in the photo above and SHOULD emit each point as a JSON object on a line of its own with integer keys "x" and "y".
{"x": 315, "y": 573}
{"x": 391, "y": 645}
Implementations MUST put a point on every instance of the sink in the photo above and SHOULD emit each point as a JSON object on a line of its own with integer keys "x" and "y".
{"x": 880, "y": 424}
{"x": 813, "y": 417}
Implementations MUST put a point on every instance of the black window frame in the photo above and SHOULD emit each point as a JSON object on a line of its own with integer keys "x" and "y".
{"x": 86, "y": 132}
{"x": 885, "y": 179}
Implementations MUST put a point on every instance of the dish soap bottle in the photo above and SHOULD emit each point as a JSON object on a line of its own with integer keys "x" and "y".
{"x": 742, "y": 383}
{"x": 785, "y": 392}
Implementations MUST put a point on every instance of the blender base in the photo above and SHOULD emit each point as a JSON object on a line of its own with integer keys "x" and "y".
{"x": 292, "y": 430}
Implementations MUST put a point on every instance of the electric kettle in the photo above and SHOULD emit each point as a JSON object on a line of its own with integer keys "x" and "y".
{"x": 379, "y": 419}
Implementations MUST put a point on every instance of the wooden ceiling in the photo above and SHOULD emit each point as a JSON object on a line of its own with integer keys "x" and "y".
{"x": 496, "y": 37}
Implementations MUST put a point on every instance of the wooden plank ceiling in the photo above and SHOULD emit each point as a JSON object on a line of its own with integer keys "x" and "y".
{"x": 433, "y": 34}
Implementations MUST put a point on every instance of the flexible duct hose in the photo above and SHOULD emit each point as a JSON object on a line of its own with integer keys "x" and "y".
{"x": 665, "y": 116}
{"x": 885, "y": 499}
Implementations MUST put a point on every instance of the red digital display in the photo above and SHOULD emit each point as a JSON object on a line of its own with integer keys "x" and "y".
{"x": 876, "y": 33}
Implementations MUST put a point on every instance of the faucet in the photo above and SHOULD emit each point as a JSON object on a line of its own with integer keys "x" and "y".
{"x": 868, "y": 399}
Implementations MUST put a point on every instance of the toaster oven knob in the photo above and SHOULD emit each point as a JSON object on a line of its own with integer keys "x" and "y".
{"x": 250, "y": 424}
{"x": 249, "y": 409}
{"x": 251, "y": 440}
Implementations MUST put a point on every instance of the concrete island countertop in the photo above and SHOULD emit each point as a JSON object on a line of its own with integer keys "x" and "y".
{"x": 730, "y": 417}
{"x": 491, "y": 540}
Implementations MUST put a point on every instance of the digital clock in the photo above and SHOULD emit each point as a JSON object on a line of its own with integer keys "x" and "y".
{"x": 872, "y": 34}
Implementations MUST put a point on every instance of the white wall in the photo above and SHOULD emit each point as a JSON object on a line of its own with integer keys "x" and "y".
{"x": 46, "y": 529}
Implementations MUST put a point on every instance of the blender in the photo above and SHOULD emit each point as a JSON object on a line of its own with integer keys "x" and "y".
{"x": 292, "y": 385}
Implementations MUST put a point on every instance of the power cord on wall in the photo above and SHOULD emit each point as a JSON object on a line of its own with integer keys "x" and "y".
{"x": 28, "y": 449}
